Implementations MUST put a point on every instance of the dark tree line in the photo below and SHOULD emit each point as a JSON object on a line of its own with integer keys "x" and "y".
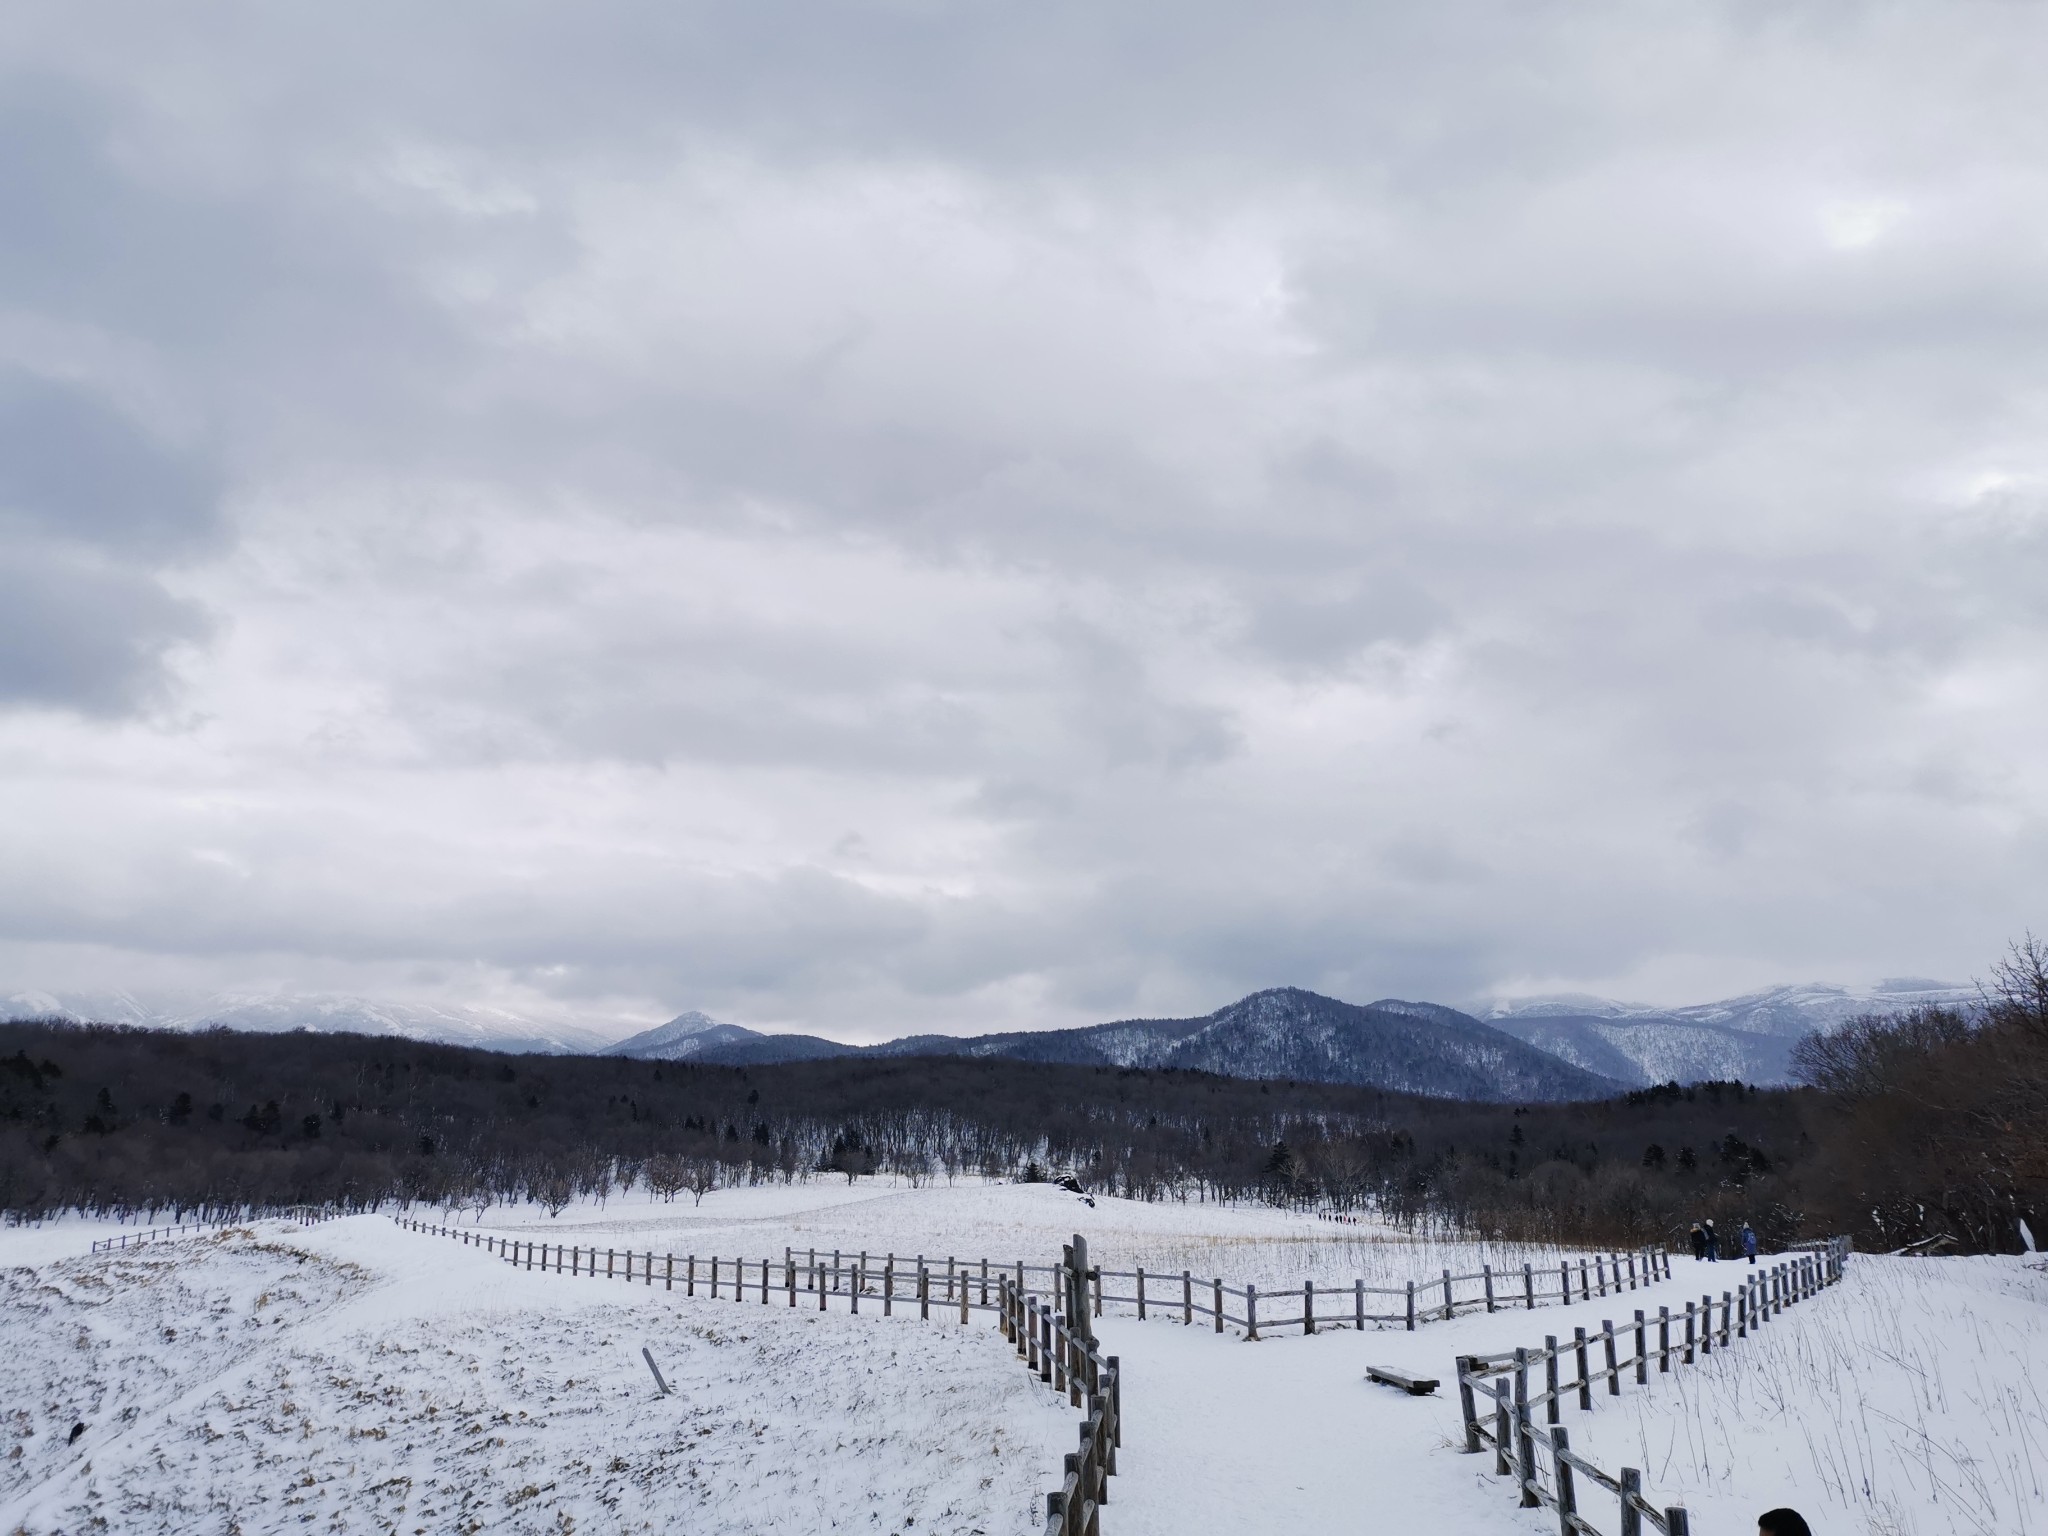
{"x": 1933, "y": 1123}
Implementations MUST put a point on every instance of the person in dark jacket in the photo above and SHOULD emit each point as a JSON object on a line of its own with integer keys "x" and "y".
{"x": 1782, "y": 1522}
{"x": 1749, "y": 1241}
{"x": 1699, "y": 1243}
{"x": 1713, "y": 1245}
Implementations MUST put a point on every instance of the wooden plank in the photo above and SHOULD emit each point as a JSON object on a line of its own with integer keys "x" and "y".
{"x": 1414, "y": 1386}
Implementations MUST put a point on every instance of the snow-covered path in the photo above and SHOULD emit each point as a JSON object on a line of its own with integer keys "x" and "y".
{"x": 1286, "y": 1434}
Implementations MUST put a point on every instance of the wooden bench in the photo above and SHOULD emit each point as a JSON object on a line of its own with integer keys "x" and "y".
{"x": 1414, "y": 1386}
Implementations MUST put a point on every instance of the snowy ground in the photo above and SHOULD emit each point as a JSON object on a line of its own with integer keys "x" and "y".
{"x": 1272, "y": 1249}
{"x": 1905, "y": 1402}
{"x": 353, "y": 1377}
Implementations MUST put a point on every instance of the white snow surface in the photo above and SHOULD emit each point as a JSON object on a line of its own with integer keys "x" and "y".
{"x": 424, "y": 1386}
{"x": 356, "y": 1377}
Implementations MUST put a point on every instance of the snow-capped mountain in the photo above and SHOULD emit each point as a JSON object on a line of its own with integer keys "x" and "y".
{"x": 1748, "y": 1038}
{"x": 1281, "y": 1033}
{"x": 493, "y": 1029}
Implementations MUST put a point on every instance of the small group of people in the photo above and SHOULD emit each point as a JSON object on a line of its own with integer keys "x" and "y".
{"x": 1706, "y": 1242}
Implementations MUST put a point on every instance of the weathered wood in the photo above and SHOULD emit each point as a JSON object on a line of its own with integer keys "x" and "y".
{"x": 1613, "y": 1370}
{"x": 1567, "y": 1492}
{"x": 1642, "y": 1350}
{"x": 1631, "y": 1495}
{"x": 1414, "y": 1386}
{"x": 1585, "y": 1377}
{"x": 1251, "y": 1311}
{"x": 1466, "y": 1366}
{"x": 1525, "y": 1433}
{"x": 1529, "y": 1286}
{"x": 1411, "y": 1306}
{"x": 1308, "y": 1306}
{"x": 1486, "y": 1272}
{"x": 1550, "y": 1376}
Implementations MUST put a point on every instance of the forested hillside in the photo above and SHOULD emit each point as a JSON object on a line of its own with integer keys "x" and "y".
{"x": 122, "y": 1119}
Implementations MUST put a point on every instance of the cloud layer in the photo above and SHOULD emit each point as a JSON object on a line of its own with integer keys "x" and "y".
{"x": 950, "y": 516}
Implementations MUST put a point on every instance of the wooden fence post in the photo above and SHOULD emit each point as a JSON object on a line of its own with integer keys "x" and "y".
{"x": 1411, "y": 1306}
{"x": 1529, "y": 1286}
{"x": 1550, "y": 1377}
{"x": 1358, "y": 1302}
{"x": 1251, "y": 1310}
{"x": 1631, "y": 1490}
{"x": 1187, "y": 1299}
{"x": 1466, "y": 1406}
{"x": 1613, "y": 1369}
{"x": 1308, "y": 1306}
{"x": 1585, "y": 1376}
{"x": 1141, "y": 1293}
{"x": 1663, "y": 1339}
{"x": 1525, "y": 1432}
{"x": 1219, "y": 1303}
{"x": 1567, "y": 1493}
{"x": 1642, "y": 1350}
{"x": 1486, "y": 1270}
{"x": 1690, "y": 1307}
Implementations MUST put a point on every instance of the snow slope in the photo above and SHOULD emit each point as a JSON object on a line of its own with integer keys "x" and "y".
{"x": 423, "y": 1386}
{"x": 353, "y": 1377}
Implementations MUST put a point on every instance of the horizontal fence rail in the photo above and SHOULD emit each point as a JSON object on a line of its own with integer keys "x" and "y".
{"x": 1544, "y": 1466}
{"x": 1315, "y": 1307}
{"x": 307, "y": 1217}
{"x": 969, "y": 1284}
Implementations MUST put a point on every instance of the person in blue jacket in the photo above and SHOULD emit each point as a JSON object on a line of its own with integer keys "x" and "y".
{"x": 1749, "y": 1241}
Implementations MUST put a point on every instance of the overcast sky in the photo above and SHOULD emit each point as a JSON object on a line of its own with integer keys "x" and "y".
{"x": 961, "y": 516}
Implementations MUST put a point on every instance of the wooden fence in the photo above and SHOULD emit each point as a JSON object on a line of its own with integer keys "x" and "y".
{"x": 305, "y": 1216}
{"x": 1062, "y": 1356}
{"x": 1545, "y": 1467}
{"x": 969, "y": 1284}
{"x": 1067, "y": 1360}
{"x": 1314, "y": 1307}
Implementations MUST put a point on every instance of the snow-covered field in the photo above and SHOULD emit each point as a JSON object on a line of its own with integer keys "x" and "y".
{"x": 1270, "y": 1248}
{"x": 356, "y": 1376}
{"x": 353, "y": 1377}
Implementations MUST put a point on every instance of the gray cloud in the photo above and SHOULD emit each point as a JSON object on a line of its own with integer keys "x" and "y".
{"x": 885, "y": 516}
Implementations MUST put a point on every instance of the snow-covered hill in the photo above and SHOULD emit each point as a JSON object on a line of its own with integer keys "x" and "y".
{"x": 1748, "y": 1038}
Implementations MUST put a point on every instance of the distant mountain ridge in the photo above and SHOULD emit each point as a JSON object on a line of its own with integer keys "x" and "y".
{"x": 1284, "y": 1032}
{"x": 1560, "y": 1046}
{"x": 1747, "y": 1038}
{"x": 493, "y": 1029}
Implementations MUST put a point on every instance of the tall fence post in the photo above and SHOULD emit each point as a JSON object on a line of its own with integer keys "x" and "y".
{"x": 1525, "y": 1432}
{"x": 1466, "y": 1404}
{"x": 1567, "y": 1492}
